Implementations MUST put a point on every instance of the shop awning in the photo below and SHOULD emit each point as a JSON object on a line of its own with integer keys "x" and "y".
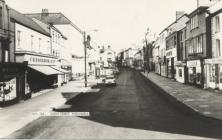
{"x": 60, "y": 69}
{"x": 47, "y": 70}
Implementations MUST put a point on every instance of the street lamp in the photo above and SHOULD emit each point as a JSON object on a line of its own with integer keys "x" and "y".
{"x": 147, "y": 50}
{"x": 86, "y": 42}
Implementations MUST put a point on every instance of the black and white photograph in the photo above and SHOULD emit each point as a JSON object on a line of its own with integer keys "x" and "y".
{"x": 110, "y": 69}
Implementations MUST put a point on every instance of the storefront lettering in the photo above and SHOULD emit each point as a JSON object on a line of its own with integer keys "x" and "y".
{"x": 193, "y": 63}
{"x": 40, "y": 60}
{"x": 213, "y": 61}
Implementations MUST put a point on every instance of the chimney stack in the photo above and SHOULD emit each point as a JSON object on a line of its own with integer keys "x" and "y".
{"x": 45, "y": 13}
{"x": 179, "y": 14}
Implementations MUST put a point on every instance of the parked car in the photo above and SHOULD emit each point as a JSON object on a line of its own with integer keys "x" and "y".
{"x": 116, "y": 71}
{"x": 110, "y": 80}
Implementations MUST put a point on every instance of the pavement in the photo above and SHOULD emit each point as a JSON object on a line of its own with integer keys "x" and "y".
{"x": 18, "y": 115}
{"x": 203, "y": 102}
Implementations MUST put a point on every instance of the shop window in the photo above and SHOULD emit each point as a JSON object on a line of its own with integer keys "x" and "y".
{"x": 198, "y": 78}
{"x": 180, "y": 73}
{"x": 212, "y": 73}
{"x": 220, "y": 73}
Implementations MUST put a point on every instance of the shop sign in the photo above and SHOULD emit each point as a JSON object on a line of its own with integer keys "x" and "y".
{"x": 193, "y": 63}
{"x": 213, "y": 61}
{"x": 38, "y": 60}
{"x": 180, "y": 63}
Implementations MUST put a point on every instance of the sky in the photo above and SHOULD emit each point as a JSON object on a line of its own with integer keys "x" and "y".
{"x": 120, "y": 23}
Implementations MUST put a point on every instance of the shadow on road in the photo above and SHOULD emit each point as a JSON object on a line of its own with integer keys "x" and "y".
{"x": 117, "y": 113}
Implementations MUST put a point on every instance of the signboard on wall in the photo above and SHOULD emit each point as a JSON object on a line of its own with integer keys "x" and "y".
{"x": 195, "y": 63}
{"x": 213, "y": 61}
{"x": 37, "y": 60}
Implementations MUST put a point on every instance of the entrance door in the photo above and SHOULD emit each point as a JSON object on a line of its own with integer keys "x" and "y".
{"x": 220, "y": 77}
{"x": 217, "y": 78}
{"x": 172, "y": 68}
{"x": 194, "y": 76}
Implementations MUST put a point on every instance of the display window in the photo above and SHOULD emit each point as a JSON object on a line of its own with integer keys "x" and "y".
{"x": 220, "y": 70}
{"x": 212, "y": 73}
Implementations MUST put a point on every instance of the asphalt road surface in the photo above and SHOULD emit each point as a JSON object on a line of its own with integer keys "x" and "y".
{"x": 132, "y": 109}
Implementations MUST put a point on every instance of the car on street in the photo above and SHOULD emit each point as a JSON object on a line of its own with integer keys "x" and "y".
{"x": 110, "y": 80}
{"x": 116, "y": 71}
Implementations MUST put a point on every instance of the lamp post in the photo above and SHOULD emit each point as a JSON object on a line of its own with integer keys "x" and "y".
{"x": 86, "y": 42}
{"x": 147, "y": 50}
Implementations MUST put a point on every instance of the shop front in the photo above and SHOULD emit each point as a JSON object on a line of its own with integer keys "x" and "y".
{"x": 180, "y": 71}
{"x": 163, "y": 68}
{"x": 64, "y": 75}
{"x": 170, "y": 68}
{"x": 157, "y": 68}
{"x": 40, "y": 71}
{"x": 194, "y": 73}
{"x": 13, "y": 82}
{"x": 213, "y": 73}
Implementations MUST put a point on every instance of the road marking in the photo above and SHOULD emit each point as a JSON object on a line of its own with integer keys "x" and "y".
{"x": 207, "y": 113}
{"x": 189, "y": 100}
{"x": 203, "y": 106}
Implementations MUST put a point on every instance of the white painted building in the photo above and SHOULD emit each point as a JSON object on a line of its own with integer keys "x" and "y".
{"x": 108, "y": 57}
{"x": 57, "y": 44}
{"x": 213, "y": 66}
{"x": 138, "y": 60}
{"x": 33, "y": 45}
{"x": 156, "y": 55}
{"x": 162, "y": 54}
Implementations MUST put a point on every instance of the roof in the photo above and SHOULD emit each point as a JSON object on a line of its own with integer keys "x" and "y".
{"x": 174, "y": 23}
{"x": 198, "y": 10}
{"x": 53, "y": 18}
{"x": 215, "y": 9}
{"x": 46, "y": 27}
{"x": 26, "y": 21}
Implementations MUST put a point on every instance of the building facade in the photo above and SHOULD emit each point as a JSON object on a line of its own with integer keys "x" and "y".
{"x": 33, "y": 45}
{"x": 162, "y": 55}
{"x": 138, "y": 60}
{"x": 12, "y": 74}
{"x": 196, "y": 43}
{"x": 156, "y": 56}
{"x": 181, "y": 69}
{"x": 173, "y": 45}
{"x": 213, "y": 66}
